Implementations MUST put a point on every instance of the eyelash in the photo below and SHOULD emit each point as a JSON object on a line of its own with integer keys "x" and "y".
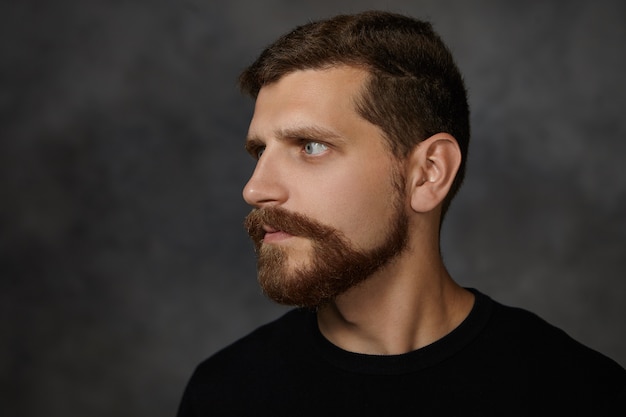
{"x": 257, "y": 150}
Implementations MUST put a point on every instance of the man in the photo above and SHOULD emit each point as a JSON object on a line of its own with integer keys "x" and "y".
{"x": 360, "y": 132}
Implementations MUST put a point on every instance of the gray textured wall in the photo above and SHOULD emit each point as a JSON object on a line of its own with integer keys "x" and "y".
{"x": 123, "y": 259}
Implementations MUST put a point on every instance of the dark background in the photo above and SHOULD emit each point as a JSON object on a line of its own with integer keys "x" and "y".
{"x": 123, "y": 259}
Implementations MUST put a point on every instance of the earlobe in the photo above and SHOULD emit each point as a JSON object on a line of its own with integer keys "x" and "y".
{"x": 433, "y": 166}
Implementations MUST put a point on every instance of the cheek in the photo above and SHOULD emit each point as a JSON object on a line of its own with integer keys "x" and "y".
{"x": 359, "y": 204}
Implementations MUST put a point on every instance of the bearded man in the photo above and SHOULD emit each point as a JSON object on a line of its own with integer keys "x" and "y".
{"x": 360, "y": 132}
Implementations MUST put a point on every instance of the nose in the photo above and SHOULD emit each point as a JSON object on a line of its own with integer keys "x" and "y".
{"x": 266, "y": 185}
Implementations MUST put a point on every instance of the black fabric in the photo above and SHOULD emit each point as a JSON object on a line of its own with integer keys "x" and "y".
{"x": 501, "y": 361}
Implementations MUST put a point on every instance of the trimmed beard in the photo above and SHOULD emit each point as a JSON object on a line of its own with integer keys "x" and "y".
{"x": 334, "y": 265}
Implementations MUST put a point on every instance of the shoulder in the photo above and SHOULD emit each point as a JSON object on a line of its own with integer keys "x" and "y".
{"x": 535, "y": 358}
{"x": 259, "y": 349}
{"x": 548, "y": 351}
{"x": 531, "y": 332}
{"x": 233, "y": 378}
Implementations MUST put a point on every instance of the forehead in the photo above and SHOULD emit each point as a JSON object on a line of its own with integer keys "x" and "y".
{"x": 318, "y": 97}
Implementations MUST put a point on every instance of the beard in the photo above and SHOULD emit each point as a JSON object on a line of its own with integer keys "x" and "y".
{"x": 334, "y": 265}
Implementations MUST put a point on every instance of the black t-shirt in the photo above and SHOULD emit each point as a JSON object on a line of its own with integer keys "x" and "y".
{"x": 500, "y": 361}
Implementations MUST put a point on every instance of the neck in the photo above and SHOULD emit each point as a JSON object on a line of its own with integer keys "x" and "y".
{"x": 410, "y": 304}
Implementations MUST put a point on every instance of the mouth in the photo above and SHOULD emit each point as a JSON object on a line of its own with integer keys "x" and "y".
{"x": 273, "y": 235}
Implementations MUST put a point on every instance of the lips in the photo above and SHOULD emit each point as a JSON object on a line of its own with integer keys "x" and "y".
{"x": 273, "y": 235}
{"x": 269, "y": 229}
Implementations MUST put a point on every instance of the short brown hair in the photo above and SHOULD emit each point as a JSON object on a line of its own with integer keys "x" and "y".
{"x": 415, "y": 89}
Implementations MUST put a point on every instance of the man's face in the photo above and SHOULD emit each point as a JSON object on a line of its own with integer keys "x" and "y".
{"x": 328, "y": 194}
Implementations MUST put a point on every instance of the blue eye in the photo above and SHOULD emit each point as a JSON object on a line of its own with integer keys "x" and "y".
{"x": 259, "y": 152}
{"x": 314, "y": 148}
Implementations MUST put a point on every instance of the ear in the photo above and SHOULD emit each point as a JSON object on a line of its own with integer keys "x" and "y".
{"x": 433, "y": 164}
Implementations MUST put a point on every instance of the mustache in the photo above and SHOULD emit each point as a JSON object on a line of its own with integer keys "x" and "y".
{"x": 289, "y": 222}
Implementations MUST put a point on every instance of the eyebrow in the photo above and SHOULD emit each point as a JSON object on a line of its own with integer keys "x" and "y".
{"x": 308, "y": 132}
{"x": 312, "y": 133}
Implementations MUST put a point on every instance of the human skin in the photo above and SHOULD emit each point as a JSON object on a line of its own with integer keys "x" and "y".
{"x": 320, "y": 158}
